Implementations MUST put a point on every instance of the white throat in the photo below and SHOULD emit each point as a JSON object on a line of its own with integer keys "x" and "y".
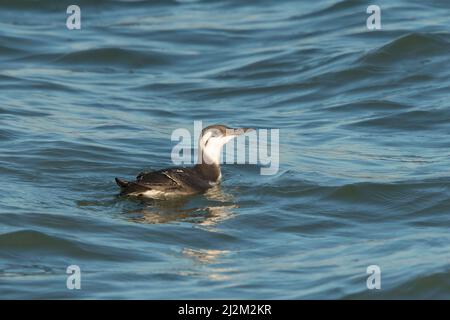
{"x": 210, "y": 148}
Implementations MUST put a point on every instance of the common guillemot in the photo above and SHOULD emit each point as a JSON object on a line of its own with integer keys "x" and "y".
{"x": 173, "y": 182}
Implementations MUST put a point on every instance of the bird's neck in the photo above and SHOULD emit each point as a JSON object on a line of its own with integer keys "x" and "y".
{"x": 209, "y": 154}
{"x": 208, "y": 164}
{"x": 210, "y": 172}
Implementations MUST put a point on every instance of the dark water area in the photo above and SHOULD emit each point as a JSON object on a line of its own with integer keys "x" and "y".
{"x": 364, "y": 177}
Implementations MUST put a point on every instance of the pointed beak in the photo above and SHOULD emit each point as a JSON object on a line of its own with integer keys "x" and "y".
{"x": 238, "y": 131}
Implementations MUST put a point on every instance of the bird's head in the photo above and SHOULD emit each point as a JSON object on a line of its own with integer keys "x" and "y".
{"x": 213, "y": 138}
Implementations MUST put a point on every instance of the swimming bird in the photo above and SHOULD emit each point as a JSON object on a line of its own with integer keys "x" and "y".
{"x": 180, "y": 181}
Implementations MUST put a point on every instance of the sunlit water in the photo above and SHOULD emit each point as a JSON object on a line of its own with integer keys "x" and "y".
{"x": 364, "y": 119}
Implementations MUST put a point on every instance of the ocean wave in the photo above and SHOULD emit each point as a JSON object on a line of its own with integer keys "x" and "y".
{"x": 416, "y": 46}
{"x": 435, "y": 285}
{"x": 116, "y": 56}
{"x": 38, "y": 5}
{"x": 330, "y": 10}
{"x": 31, "y": 241}
{"x": 367, "y": 105}
{"x": 413, "y": 120}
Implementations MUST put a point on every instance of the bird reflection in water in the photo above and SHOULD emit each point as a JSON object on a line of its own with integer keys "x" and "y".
{"x": 206, "y": 211}
{"x": 210, "y": 257}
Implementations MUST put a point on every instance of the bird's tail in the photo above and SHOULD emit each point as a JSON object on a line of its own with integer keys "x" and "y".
{"x": 121, "y": 183}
